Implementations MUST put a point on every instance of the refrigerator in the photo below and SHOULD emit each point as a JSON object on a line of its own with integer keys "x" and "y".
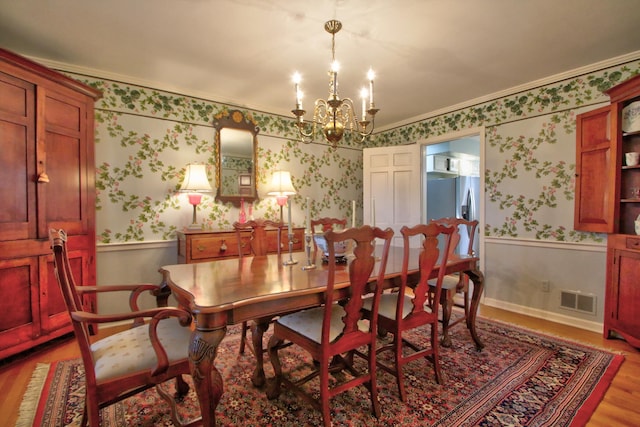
{"x": 454, "y": 197}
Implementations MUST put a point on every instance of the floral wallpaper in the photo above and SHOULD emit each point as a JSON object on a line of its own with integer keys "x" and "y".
{"x": 145, "y": 138}
{"x": 530, "y": 153}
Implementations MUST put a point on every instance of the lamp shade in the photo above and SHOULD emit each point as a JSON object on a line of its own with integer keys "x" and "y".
{"x": 281, "y": 184}
{"x": 195, "y": 179}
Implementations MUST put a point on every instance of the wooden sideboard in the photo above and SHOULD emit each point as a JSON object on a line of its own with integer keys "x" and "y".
{"x": 211, "y": 245}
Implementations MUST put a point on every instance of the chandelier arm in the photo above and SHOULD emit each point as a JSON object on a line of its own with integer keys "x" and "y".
{"x": 334, "y": 115}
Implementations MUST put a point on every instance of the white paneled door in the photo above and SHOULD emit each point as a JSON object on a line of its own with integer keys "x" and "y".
{"x": 392, "y": 187}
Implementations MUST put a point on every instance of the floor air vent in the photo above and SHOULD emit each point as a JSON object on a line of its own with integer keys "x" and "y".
{"x": 579, "y": 302}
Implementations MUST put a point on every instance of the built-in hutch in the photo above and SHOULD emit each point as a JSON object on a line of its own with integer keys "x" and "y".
{"x": 47, "y": 179}
{"x": 608, "y": 201}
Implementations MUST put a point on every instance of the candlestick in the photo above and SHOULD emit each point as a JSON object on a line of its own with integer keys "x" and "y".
{"x": 363, "y": 95}
{"x": 289, "y": 215}
{"x": 308, "y": 224}
{"x": 353, "y": 214}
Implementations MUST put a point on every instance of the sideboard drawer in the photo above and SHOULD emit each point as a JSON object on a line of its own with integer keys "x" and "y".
{"x": 201, "y": 246}
{"x": 214, "y": 247}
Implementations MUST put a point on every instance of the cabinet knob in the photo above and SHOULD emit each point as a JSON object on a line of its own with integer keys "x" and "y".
{"x": 43, "y": 177}
{"x": 201, "y": 248}
{"x": 223, "y": 246}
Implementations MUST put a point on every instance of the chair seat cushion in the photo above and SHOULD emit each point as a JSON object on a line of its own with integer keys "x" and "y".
{"x": 388, "y": 303}
{"x": 130, "y": 351}
{"x": 450, "y": 281}
{"x": 309, "y": 322}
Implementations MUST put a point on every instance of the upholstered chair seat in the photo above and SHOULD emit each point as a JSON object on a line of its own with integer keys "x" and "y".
{"x": 130, "y": 351}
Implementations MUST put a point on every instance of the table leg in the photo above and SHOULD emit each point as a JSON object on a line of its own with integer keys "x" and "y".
{"x": 477, "y": 278}
{"x": 258, "y": 328}
{"x": 206, "y": 378}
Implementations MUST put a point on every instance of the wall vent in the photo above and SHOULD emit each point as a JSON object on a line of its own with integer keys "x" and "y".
{"x": 577, "y": 301}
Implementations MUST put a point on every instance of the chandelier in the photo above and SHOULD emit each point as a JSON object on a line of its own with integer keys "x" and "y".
{"x": 335, "y": 115}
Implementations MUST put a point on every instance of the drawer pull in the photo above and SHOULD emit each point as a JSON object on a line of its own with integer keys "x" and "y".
{"x": 633, "y": 243}
{"x": 201, "y": 248}
{"x": 223, "y": 246}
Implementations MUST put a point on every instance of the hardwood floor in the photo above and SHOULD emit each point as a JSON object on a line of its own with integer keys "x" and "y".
{"x": 620, "y": 406}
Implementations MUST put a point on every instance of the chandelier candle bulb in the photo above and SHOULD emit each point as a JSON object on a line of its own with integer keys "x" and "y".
{"x": 363, "y": 94}
{"x": 371, "y": 76}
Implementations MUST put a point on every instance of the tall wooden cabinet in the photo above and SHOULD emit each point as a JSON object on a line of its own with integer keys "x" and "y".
{"x": 47, "y": 178}
{"x": 608, "y": 201}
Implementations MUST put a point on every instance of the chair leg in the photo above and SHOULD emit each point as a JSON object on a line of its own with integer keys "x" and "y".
{"x": 243, "y": 337}
{"x": 324, "y": 393}
{"x": 92, "y": 413}
{"x": 182, "y": 388}
{"x": 447, "y": 306}
{"x": 372, "y": 384}
{"x": 436, "y": 353}
{"x": 398, "y": 366}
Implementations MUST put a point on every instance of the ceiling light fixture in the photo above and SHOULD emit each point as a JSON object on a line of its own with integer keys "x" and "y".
{"x": 335, "y": 115}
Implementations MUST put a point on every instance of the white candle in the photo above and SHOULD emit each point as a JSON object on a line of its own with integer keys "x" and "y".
{"x": 371, "y": 75}
{"x": 296, "y": 81}
{"x": 308, "y": 227}
{"x": 373, "y": 212}
{"x": 289, "y": 206}
{"x": 363, "y": 95}
{"x": 353, "y": 214}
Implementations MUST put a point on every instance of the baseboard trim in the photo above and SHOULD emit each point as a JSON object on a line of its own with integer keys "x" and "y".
{"x": 546, "y": 315}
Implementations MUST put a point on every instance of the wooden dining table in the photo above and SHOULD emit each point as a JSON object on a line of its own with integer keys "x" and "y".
{"x": 231, "y": 291}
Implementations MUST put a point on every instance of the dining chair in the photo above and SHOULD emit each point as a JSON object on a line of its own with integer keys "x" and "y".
{"x": 457, "y": 283}
{"x": 409, "y": 307}
{"x": 153, "y": 351}
{"x": 326, "y": 224}
{"x": 258, "y": 247}
{"x": 258, "y": 242}
{"x": 332, "y": 332}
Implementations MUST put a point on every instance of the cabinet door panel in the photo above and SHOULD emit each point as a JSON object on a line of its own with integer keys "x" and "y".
{"x": 627, "y": 292}
{"x": 17, "y": 168}
{"x": 54, "y": 311}
{"x": 596, "y": 173}
{"x": 63, "y": 200}
{"x": 19, "y": 301}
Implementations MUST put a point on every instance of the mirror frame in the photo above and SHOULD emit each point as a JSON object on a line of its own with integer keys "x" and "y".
{"x": 236, "y": 119}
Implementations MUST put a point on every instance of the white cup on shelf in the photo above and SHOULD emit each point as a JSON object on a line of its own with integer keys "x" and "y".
{"x": 632, "y": 158}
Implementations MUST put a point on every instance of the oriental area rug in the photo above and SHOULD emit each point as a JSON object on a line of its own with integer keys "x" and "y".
{"x": 520, "y": 378}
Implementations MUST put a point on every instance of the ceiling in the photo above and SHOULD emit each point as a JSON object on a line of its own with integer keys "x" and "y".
{"x": 427, "y": 54}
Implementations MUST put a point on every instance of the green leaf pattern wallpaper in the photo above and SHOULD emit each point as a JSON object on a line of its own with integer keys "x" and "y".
{"x": 145, "y": 138}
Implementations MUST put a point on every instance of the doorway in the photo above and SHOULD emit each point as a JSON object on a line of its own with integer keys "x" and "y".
{"x": 452, "y": 177}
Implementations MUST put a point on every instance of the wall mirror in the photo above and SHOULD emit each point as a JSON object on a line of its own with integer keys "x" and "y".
{"x": 236, "y": 147}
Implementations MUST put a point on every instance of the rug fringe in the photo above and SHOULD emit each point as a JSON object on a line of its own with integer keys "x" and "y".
{"x": 29, "y": 404}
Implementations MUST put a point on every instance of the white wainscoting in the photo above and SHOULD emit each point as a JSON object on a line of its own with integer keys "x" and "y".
{"x": 515, "y": 270}
{"x": 135, "y": 262}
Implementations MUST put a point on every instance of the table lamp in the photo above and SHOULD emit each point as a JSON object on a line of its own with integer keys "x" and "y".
{"x": 282, "y": 188}
{"x": 195, "y": 183}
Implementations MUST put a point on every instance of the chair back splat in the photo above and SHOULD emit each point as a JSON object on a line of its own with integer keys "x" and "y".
{"x": 410, "y": 307}
{"x": 333, "y": 332}
{"x": 125, "y": 363}
{"x": 258, "y": 242}
{"x": 457, "y": 283}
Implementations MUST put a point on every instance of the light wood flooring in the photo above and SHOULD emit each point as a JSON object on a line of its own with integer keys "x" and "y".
{"x": 620, "y": 406}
